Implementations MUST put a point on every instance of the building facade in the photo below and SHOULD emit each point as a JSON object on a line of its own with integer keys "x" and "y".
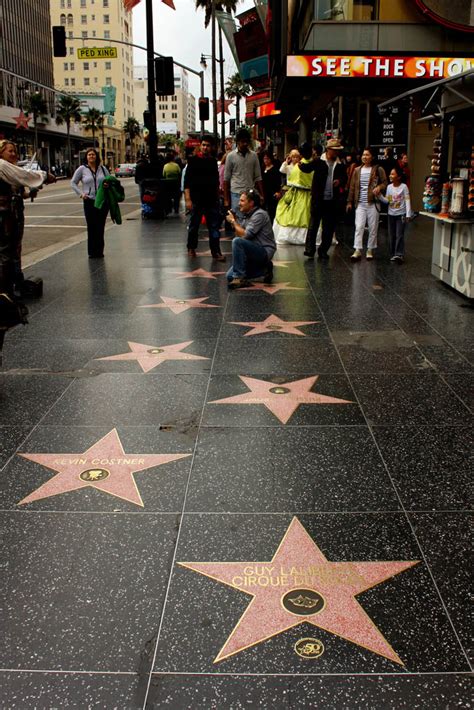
{"x": 332, "y": 63}
{"x": 100, "y": 22}
{"x": 177, "y": 111}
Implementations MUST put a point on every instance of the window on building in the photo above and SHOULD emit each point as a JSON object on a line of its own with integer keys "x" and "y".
{"x": 66, "y": 66}
{"x": 63, "y": 4}
{"x": 174, "y": 115}
{"x": 62, "y": 19}
{"x": 105, "y": 3}
{"x": 73, "y": 82}
{"x": 84, "y": 34}
{"x": 108, "y": 81}
{"x": 66, "y": 82}
{"x": 106, "y": 34}
{"x": 83, "y": 19}
{"x": 106, "y": 19}
{"x": 71, "y": 51}
{"x": 108, "y": 66}
{"x": 94, "y": 33}
{"x": 72, "y": 66}
{"x": 70, "y": 18}
{"x": 174, "y": 107}
{"x": 95, "y": 65}
{"x": 83, "y": 3}
{"x": 87, "y": 81}
{"x": 96, "y": 81}
{"x": 93, "y": 18}
{"x": 69, "y": 3}
{"x": 163, "y": 115}
{"x": 85, "y": 66}
{"x": 70, "y": 35}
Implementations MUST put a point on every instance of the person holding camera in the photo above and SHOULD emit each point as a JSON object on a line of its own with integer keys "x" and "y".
{"x": 254, "y": 244}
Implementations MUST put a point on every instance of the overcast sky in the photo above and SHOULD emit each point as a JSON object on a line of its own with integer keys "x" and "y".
{"x": 180, "y": 33}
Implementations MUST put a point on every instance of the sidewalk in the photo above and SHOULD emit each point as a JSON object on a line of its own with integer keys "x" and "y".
{"x": 199, "y": 510}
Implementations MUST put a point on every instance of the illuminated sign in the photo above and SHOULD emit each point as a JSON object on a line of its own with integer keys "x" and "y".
{"x": 377, "y": 67}
{"x": 267, "y": 109}
{"x": 97, "y": 53}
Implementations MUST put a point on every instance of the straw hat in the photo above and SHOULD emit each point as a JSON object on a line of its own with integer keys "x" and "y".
{"x": 335, "y": 144}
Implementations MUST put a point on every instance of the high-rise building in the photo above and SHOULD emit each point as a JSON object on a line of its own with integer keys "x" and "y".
{"x": 100, "y": 22}
{"x": 25, "y": 50}
{"x": 178, "y": 109}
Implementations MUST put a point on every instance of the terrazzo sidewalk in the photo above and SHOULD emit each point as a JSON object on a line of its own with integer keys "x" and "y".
{"x": 214, "y": 499}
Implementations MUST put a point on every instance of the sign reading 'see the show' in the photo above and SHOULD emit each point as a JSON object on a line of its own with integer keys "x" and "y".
{"x": 377, "y": 67}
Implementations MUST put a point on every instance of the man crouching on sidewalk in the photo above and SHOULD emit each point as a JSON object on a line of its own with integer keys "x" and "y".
{"x": 254, "y": 244}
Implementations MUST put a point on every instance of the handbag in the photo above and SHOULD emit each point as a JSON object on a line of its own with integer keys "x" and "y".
{"x": 12, "y": 312}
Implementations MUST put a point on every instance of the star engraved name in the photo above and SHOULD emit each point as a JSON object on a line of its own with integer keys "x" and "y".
{"x": 98, "y": 462}
{"x": 292, "y": 576}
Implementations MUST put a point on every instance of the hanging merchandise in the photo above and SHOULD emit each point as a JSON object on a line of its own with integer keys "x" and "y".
{"x": 445, "y": 199}
{"x": 432, "y": 194}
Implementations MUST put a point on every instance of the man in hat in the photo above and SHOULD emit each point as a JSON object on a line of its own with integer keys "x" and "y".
{"x": 327, "y": 199}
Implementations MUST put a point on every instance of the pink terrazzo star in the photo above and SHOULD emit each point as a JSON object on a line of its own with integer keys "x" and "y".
{"x": 275, "y": 324}
{"x": 282, "y": 400}
{"x": 198, "y": 274}
{"x": 300, "y": 585}
{"x": 179, "y": 305}
{"x": 150, "y": 356}
{"x": 273, "y": 288}
{"x": 104, "y": 466}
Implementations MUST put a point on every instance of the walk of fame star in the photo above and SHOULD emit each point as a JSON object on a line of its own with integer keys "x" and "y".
{"x": 272, "y": 288}
{"x": 104, "y": 466}
{"x": 179, "y": 305}
{"x": 198, "y": 274}
{"x": 275, "y": 324}
{"x": 282, "y": 400}
{"x": 301, "y": 585}
{"x": 150, "y": 356}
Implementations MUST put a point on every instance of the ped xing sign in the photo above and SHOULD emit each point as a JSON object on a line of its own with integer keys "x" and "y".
{"x": 377, "y": 66}
{"x": 97, "y": 53}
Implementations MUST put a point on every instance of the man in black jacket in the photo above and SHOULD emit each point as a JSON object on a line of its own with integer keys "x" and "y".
{"x": 327, "y": 197}
{"x": 201, "y": 194}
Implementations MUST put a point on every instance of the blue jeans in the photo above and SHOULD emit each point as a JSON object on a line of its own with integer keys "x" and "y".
{"x": 249, "y": 260}
{"x": 234, "y": 204}
{"x": 396, "y": 232}
{"x": 212, "y": 220}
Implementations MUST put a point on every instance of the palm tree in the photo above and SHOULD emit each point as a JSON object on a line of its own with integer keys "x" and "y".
{"x": 37, "y": 106}
{"x": 237, "y": 89}
{"x": 92, "y": 120}
{"x": 131, "y": 129}
{"x": 67, "y": 111}
{"x": 210, "y": 7}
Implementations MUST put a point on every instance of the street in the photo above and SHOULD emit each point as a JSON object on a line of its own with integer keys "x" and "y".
{"x": 56, "y": 219}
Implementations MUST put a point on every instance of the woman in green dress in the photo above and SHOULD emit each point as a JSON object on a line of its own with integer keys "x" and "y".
{"x": 294, "y": 209}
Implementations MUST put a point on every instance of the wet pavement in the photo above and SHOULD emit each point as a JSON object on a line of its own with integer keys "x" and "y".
{"x": 232, "y": 499}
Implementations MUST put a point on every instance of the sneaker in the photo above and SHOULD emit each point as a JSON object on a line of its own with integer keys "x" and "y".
{"x": 217, "y": 256}
{"x": 398, "y": 258}
{"x": 357, "y": 255}
{"x": 394, "y": 258}
{"x": 268, "y": 278}
{"x": 192, "y": 253}
{"x": 370, "y": 254}
{"x": 238, "y": 283}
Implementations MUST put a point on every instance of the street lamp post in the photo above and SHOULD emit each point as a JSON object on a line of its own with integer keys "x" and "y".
{"x": 220, "y": 61}
{"x": 152, "y": 136}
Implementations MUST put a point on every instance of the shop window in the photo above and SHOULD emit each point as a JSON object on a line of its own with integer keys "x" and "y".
{"x": 345, "y": 10}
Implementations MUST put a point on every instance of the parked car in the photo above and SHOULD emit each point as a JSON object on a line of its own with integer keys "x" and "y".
{"x": 28, "y": 164}
{"x": 125, "y": 170}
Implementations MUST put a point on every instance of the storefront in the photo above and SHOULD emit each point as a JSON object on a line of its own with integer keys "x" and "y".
{"x": 448, "y": 197}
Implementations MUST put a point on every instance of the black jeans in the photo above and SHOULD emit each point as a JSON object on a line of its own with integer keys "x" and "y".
{"x": 211, "y": 213}
{"x": 396, "y": 232}
{"x": 95, "y": 227}
{"x": 327, "y": 212}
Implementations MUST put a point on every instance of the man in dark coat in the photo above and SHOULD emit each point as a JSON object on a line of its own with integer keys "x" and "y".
{"x": 327, "y": 197}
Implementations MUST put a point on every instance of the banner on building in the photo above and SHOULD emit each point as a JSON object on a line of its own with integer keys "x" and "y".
{"x": 227, "y": 24}
{"x": 377, "y": 66}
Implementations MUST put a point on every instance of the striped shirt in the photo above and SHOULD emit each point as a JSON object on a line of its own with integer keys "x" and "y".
{"x": 364, "y": 184}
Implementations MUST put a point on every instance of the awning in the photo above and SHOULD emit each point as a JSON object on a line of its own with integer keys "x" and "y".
{"x": 457, "y": 92}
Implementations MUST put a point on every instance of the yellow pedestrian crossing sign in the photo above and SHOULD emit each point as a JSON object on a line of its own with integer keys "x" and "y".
{"x": 97, "y": 53}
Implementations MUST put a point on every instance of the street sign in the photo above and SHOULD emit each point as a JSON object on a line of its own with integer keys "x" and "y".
{"x": 97, "y": 53}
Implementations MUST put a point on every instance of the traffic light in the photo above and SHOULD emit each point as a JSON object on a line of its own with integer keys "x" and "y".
{"x": 232, "y": 126}
{"x": 59, "y": 41}
{"x": 147, "y": 122}
{"x": 164, "y": 76}
{"x": 204, "y": 108}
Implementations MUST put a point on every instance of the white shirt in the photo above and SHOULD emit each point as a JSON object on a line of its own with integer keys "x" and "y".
{"x": 18, "y": 177}
{"x": 398, "y": 199}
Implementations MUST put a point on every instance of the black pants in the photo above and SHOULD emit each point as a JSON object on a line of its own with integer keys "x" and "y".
{"x": 327, "y": 212}
{"x": 95, "y": 228}
{"x": 9, "y": 236}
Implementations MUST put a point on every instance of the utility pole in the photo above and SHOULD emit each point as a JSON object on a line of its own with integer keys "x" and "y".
{"x": 214, "y": 78}
{"x": 221, "y": 61}
{"x": 152, "y": 137}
